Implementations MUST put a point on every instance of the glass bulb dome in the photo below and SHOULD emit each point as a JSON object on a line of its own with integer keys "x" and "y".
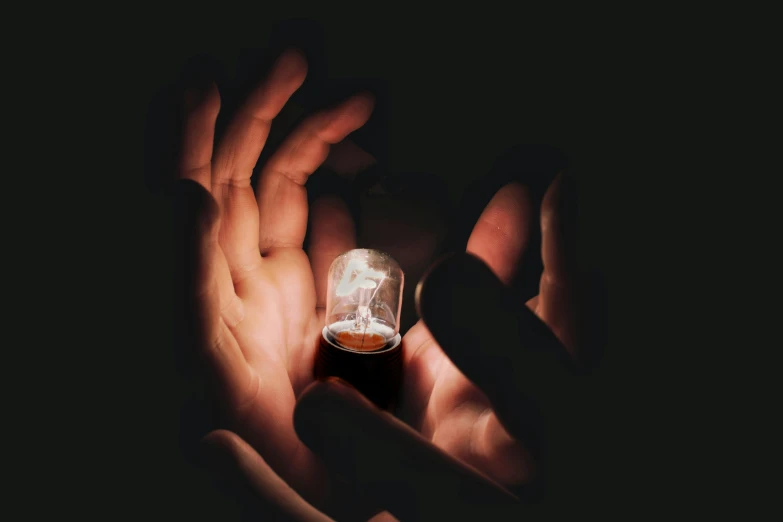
{"x": 363, "y": 300}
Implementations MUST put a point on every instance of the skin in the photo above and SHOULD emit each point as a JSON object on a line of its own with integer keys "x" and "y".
{"x": 259, "y": 296}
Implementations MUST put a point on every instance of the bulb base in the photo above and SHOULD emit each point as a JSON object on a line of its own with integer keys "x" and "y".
{"x": 376, "y": 374}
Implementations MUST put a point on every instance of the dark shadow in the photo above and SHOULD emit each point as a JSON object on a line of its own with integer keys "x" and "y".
{"x": 164, "y": 119}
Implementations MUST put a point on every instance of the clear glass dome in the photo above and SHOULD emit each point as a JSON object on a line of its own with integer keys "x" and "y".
{"x": 363, "y": 299}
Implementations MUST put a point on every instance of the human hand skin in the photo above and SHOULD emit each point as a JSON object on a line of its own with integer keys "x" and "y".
{"x": 254, "y": 312}
{"x": 416, "y": 476}
{"x": 253, "y": 298}
{"x": 255, "y": 293}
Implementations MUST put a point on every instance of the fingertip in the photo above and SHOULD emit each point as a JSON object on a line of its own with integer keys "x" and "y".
{"x": 367, "y": 98}
{"x": 321, "y": 393}
{"x": 215, "y": 438}
{"x": 217, "y": 450}
{"x": 323, "y": 403}
{"x": 514, "y": 191}
{"x": 220, "y": 442}
{"x": 292, "y": 65}
{"x": 312, "y": 398}
{"x": 326, "y": 396}
{"x": 331, "y": 209}
{"x": 362, "y": 105}
{"x": 203, "y": 96}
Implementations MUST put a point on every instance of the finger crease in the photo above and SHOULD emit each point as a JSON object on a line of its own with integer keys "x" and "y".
{"x": 233, "y": 182}
{"x": 245, "y": 408}
{"x": 240, "y": 273}
{"x": 188, "y": 171}
{"x": 473, "y": 432}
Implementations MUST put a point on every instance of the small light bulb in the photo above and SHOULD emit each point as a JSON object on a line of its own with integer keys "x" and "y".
{"x": 361, "y": 341}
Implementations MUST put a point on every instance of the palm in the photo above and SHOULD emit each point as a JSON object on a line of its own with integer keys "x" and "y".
{"x": 279, "y": 330}
{"x": 451, "y": 412}
{"x": 276, "y": 338}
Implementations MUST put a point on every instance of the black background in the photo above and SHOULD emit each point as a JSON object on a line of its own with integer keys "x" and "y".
{"x": 455, "y": 96}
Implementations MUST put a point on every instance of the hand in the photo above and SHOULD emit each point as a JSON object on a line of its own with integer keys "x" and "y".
{"x": 468, "y": 310}
{"x": 255, "y": 299}
{"x": 507, "y": 352}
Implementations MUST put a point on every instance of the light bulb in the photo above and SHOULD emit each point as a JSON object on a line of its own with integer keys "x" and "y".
{"x": 360, "y": 340}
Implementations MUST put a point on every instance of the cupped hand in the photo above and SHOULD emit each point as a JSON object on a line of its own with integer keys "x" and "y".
{"x": 254, "y": 296}
{"x": 469, "y": 358}
{"x": 480, "y": 368}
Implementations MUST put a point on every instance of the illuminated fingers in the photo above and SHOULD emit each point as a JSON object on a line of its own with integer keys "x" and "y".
{"x": 282, "y": 199}
{"x": 238, "y": 153}
{"x": 500, "y": 237}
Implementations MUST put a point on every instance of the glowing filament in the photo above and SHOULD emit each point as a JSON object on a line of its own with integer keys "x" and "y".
{"x": 359, "y": 277}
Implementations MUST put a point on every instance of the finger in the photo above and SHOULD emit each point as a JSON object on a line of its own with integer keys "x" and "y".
{"x": 237, "y": 155}
{"x": 347, "y": 159}
{"x": 200, "y": 275}
{"x": 496, "y": 342}
{"x": 389, "y": 461}
{"x": 561, "y": 293}
{"x": 232, "y": 459}
{"x": 500, "y": 236}
{"x": 332, "y": 233}
{"x": 282, "y": 199}
{"x": 202, "y": 105}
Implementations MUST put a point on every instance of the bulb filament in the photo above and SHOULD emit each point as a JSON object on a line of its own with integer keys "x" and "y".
{"x": 359, "y": 277}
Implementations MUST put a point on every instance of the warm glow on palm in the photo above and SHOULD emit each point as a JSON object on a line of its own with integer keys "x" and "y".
{"x": 260, "y": 297}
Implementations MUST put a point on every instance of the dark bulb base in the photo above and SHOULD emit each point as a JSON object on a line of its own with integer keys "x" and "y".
{"x": 377, "y": 375}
